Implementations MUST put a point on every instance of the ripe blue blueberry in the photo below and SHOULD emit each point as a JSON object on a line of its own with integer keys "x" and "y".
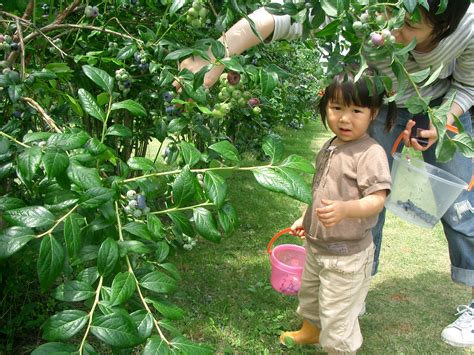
{"x": 141, "y": 202}
{"x": 167, "y": 96}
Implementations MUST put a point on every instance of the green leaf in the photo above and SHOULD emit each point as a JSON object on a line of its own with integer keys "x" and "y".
{"x": 217, "y": 49}
{"x": 172, "y": 270}
{"x": 88, "y": 275}
{"x": 329, "y": 30}
{"x": 158, "y": 282}
{"x": 185, "y": 346}
{"x": 72, "y": 233}
{"x": 74, "y": 291}
{"x": 116, "y": 329}
{"x": 183, "y": 187}
{"x": 434, "y": 76}
{"x": 421, "y": 75}
{"x": 144, "y": 322}
{"x": 100, "y": 77}
{"x": 76, "y": 107}
{"x": 96, "y": 196}
{"x": 179, "y": 54}
{"x": 123, "y": 287}
{"x": 268, "y": 81}
{"x": 167, "y": 309}
{"x": 215, "y": 187}
{"x": 284, "y": 180}
{"x": 126, "y": 52}
{"x": 28, "y": 163}
{"x": 232, "y": 64}
{"x": 90, "y": 105}
{"x": 162, "y": 251}
{"x": 140, "y": 163}
{"x": 10, "y": 203}
{"x": 131, "y": 106}
{"x": 156, "y": 345}
{"x": 13, "y": 239}
{"x": 83, "y": 177}
{"x": 64, "y": 325}
{"x": 226, "y": 150}
{"x": 177, "y": 4}
{"x": 68, "y": 141}
{"x": 54, "y": 348}
{"x": 55, "y": 163}
{"x": 182, "y": 222}
{"x": 154, "y": 226}
{"x": 50, "y": 261}
{"x": 299, "y": 163}
{"x": 329, "y": 8}
{"x": 206, "y": 224}
{"x": 189, "y": 152}
{"x": 227, "y": 217}
{"x": 410, "y": 5}
{"x": 138, "y": 229}
{"x": 107, "y": 257}
{"x": 416, "y": 104}
{"x": 273, "y": 147}
{"x": 31, "y": 216}
{"x": 119, "y": 131}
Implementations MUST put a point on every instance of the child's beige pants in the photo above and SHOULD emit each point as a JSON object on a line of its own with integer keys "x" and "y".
{"x": 333, "y": 291}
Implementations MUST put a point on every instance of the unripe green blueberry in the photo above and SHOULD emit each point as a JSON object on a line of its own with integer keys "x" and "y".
{"x": 137, "y": 213}
{"x": 242, "y": 102}
{"x": 217, "y": 113}
{"x": 386, "y": 33}
{"x": 203, "y": 13}
{"x": 146, "y": 210}
{"x": 223, "y": 78}
{"x": 196, "y": 23}
{"x": 131, "y": 194}
{"x": 380, "y": 19}
{"x": 197, "y": 5}
{"x": 357, "y": 25}
{"x": 223, "y": 95}
{"x": 364, "y": 17}
{"x": 192, "y": 12}
{"x": 237, "y": 94}
{"x": 133, "y": 204}
{"x": 256, "y": 110}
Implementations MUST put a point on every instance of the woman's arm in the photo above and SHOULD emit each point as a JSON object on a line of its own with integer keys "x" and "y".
{"x": 236, "y": 40}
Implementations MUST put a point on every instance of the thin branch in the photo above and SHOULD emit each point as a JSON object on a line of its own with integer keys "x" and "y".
{"x": 54, "y": 27}
{"x": 22, "y": 48}
{"x": 29, "y": 10}
{"x": 47, "y": 118}
{"x": 67, "y": 11}
{"x": 14, "y": 140}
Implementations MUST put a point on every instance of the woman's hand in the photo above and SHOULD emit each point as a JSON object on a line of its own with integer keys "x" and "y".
{"x": 196, "y": 63}
{"x": 297, "y": 228}
{"x": 431, "y": 134}
{"x": 332, "y": 212}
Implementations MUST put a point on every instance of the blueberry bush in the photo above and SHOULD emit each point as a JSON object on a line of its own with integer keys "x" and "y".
{"x": 87, "y": 218}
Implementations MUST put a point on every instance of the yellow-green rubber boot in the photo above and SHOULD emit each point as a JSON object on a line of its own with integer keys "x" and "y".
{"x": 308, "y": 334}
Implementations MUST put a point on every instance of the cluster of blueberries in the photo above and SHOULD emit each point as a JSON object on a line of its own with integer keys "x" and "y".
{"x": 124, "y": 80}
{"x": 136, "y": 204}
{"x": 409, "y": 206}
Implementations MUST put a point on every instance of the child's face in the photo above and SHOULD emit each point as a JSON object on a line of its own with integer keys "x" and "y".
{"x": 348, "y": 123}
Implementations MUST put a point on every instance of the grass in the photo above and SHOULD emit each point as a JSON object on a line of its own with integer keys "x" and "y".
{"x": 231, "y": 305}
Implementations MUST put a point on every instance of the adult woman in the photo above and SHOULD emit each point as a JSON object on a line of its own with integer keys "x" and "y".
{"x": 448, "y": 39}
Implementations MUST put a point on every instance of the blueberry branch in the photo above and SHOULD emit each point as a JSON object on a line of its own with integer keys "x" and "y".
{"x": 91, "y": 313}
{"x": 130, "y": 270}
{"x": 49, "y": 231}
{"x": 174, "y": 209}
{"x": 14, "y": 140}
{"x": 173, "y": 172}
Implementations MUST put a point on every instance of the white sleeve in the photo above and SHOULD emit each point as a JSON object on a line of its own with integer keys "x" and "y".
{"x": 284, "y": 29}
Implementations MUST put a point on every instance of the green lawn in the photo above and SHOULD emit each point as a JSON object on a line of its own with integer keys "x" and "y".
{"x": 231, "y": 306}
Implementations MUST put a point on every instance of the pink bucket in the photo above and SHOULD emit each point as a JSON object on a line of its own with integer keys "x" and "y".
{"x": 287, "y": 262}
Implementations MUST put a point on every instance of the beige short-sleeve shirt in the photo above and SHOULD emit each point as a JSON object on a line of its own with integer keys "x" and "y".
{"x": 349, "y": 171}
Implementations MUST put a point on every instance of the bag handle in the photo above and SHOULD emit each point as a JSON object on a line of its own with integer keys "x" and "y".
{"x": 275, "y": 237}
{"x": 450, "y": 128}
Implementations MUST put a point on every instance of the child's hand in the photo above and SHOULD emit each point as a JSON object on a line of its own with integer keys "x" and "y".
{"x": 332, "y": 212}
{"x": 297, "y": 228}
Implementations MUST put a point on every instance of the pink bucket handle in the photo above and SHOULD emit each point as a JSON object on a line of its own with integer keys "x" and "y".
{"x": 275, "y": 237}
{"x": 449, "y": 128}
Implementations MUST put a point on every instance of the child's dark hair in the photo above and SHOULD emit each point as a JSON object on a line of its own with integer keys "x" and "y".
{"x": 446, "y": 22}
{"x": 362, "y": 92}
